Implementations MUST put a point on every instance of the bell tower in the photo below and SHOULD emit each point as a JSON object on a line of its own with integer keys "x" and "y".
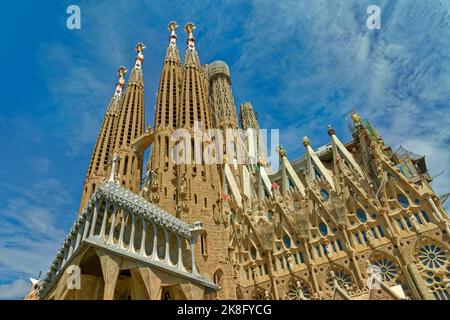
{"x": 102, "y": 153}
{"x": 198, "y": 181}
{"x": 161, "y": 170}
{"x": 130, "y": 125}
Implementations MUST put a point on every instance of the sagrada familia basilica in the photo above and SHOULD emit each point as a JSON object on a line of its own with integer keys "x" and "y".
{"x": 347, "y": 221}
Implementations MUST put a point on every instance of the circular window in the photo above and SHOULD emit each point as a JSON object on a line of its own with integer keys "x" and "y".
{"x": 432, "y": 256}
{"x": 287, "y": 241}
{"x": 361, "y": 215}
{"x": 323, "y": 229}
{"x": 253, "y": 253}
{"x": 343, "y": 279}
{"x": 403, "y": 201}
{"x": 387, "y": 269}
{"x": 270, "y": 215}
{"x": 324, "y": 194}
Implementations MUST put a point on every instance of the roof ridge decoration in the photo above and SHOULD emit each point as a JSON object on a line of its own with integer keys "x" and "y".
{"x": 133, "y": 202}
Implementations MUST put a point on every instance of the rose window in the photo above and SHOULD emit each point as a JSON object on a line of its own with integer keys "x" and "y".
{"x": 432, "y": 256}
{"x": 298, "y": 291}
{"x": 387, "y": 269}
{"x": 343, "y": 279}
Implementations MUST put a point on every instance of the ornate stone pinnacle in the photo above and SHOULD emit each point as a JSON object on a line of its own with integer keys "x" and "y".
{"x": 140, "y": 47}
{"x": 281, "y": 151}
{"x": 306, "y": 141}
{"x": 189, "y": 27}
{"x": 331, "y": 131}
{"x": 356, "y": 118}
{"x": 172, "y": 26}
{"x": 121, "y": 71}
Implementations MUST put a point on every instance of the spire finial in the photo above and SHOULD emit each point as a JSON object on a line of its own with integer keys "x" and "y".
{"x": 171, "y": 27}
{"x": 281, "y": 151}
{"x": 189, "y": 28}
{"x": 140, "y": 57}
{"x": 121, "y": 82}
{"x": 331, "y": 131}
{"x": 306, "y": 141}
{"x": 356, "y": 118}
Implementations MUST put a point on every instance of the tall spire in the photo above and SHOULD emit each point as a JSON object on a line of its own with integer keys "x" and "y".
{"x": 222, "y": 101}
{"x": 97, "y": 169}
{"x": 249, "y": 122}
{"x": 198, "y": 181}
{"x": 161, "y": 166}
{"x": 194, "y": 108}
{"x": 130, "y": 125}
{"x": 169, "y": 84}
{"x": 191, "y": 53}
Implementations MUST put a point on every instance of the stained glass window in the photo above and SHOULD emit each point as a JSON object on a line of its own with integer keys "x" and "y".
{"x": 403, "y": 201}
{"x": 323, "y": 229}
{"x": 287, "y": 241}
{"x": 324, "y": 194}
{"x": 253, "y": 253}
{"x": 361, "y": 215}
{"x": 387, "y": 269}
{"x": 432, "y": 256}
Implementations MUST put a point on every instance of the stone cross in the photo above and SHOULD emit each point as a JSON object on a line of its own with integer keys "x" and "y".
{"x": 113, "y": 169}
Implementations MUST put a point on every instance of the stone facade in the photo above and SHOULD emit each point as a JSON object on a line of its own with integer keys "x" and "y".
{"x": 315, "y": 229}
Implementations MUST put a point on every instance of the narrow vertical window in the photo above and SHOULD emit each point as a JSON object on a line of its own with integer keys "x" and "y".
{"x": 203, "y": 243}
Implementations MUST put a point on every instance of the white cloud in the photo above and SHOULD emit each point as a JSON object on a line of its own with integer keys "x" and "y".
{"x": 33, "y": 224}
{"x": 315, "y": 61}
{"x": 303, "y": 64}
{"x": 14, "y": 290}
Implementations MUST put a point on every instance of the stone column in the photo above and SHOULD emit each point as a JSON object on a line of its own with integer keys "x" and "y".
{"x": 435, "y": 209}
{"x": 272, "y": 275}
{"x": 79, "y": 235}
{"x": 110, "y": 268}
{"x": 144, "y": 232}
{"x": 122, "y": 229}
{"x": 194, "y": 267}
{"x": 133, "y": 226}
{"x": 105, "y": 217}
{"x": 65, "y": 254}
{"x": 111, "y": 230}
{"x": 167, "y": 248}
{"x": 359, "y": 276}
{"x": 94, "y": 219}
{"x": 87, "y": 225}
{"x": 154, "y": 255}
{"x": 180, "y": 266}
{"x": 71, "y": 246}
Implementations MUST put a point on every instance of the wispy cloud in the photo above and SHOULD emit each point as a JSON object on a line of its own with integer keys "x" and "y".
{"x": 315, "y": 61}
{"x": 34, "y": 221}
{"x": 17, "y": 288}
{"x": 303, "y": 65}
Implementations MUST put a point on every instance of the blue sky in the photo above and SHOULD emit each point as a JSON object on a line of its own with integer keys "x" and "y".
{"x": 303, "y": 64}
